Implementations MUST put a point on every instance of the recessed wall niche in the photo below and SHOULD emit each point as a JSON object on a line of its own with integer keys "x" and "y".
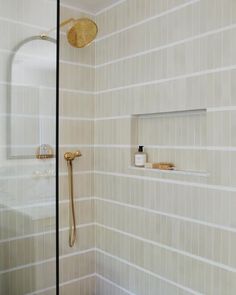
{"x": 178, "y": 137}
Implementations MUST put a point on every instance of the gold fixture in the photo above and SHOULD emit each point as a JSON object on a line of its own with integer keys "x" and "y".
{"x": 69, "y": 157}
{"x": 44, "y": 151}
{"x": 81, "y": 32}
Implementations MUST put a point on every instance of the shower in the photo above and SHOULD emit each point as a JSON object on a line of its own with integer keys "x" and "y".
{"x": 69, "y": 157}
{"x": 117, "y": 147}
{"x": 81, "y": 31}
{"x": 80, "y": 34}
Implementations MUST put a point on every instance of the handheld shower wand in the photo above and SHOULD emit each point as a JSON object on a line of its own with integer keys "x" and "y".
{"x": 69, "y": 157}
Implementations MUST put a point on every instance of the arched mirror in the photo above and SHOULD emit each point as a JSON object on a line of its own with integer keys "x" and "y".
{"x": 31, "y": 97}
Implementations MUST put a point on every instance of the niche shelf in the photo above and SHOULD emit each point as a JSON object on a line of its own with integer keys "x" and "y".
{"x": 173, "y": 172}
{"x": 176, "y": 136}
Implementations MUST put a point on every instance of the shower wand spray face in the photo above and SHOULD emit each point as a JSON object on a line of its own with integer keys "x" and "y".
{"x": 82, "y": 32}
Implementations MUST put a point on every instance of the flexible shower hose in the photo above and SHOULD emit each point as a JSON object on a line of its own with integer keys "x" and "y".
{"x": 72, "y": 221}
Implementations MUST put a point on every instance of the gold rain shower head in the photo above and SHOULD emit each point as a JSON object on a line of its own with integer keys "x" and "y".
{"x": 81, "y": 33}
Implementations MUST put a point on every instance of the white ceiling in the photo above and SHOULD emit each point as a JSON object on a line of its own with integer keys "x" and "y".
{"x": 92, "y": 6}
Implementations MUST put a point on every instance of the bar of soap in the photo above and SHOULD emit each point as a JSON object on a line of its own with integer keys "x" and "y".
{"x": 161, "y": 166}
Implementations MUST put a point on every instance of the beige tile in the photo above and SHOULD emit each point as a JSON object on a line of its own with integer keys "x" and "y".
{"x": 209, "y": 205}
{"x": 168, "y": 231}
{"x": 183, "y": 270}
{"x": 29, "y": 279}
{"x": 81, "y": 287}
{"x": 27, "y": 221}
{"x": 84, "y": 212}
{"x": 104, "y": 287}
{"x": 31, "y": 14}
{"x": 76, "y": 132}
{"x": 131, "y": 12}
{"x": 76, "y": 105}
{"x": 83, "y": 186}
{"x": 112, "y": 131}
{"x": 85, "y": 240}
{"x": 77, "y": 266}
{"x": 76, "y": 77}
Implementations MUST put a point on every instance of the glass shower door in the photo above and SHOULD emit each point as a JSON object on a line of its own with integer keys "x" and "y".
{"x": 27, "y": 148}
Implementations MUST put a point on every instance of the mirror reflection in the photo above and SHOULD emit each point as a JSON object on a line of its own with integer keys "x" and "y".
{"x": 31, "y": 97}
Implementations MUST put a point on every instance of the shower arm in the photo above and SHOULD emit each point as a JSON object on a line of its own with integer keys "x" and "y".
{"x": 69, "y": 157}
{"x": 45, "y": 35}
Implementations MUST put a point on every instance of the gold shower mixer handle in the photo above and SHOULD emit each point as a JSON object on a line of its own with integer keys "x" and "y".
{"x": 70, "y": 156}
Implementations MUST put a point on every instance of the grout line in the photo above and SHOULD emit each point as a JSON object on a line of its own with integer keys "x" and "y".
{"x": 77, "y": 91}
{"x": 44, "y": 233}
{"x": 87, "y": 277}
{"x": 159, "y": 48}
{"x": 148, "y": 272}
{"x": 78, "y": 279}
{"x": 172, "y": 181}
{"x": 174, "y": 147}
{"x": 46, "y": 261}
{"x": 23, "y": 23}
{"x": 42, "y": 291}
{"x": 77, "y": 253}
{"x": 128, "y": 146}
{"x": 221, "y": 148}
{"x": 77, "y": 64}
{"x": 164, "y": 80}
{"x": 43, "y": 204}
{"x": 84, "y": 199}
{"x": 177, "y": 113}
{"x": 177, "y": 147}
{"x": 109, "y": 7}
{"x": 190, "y": 2}
{"x": 76, "y": 118}
{"x": 187, "y": 219}
{"x": 37, "y": 57}
{"x": 32, "y": 176}
{"x": 73, "y": 118}
{"x": 168, "y": 248}
{"x": 77, "y": 9}
{"x": 152, "y": 82}
{"x": 114, "y": 284}
{"x": 49, "y": 117}
{"x": 63, "y": 284}
{"x": 26, "y": 85}
{"x": 170, "y": 215}
{"x": 121, "y": 117}
{"x": 113, "y": 118}
{"x": 34, "y": 146}
{"x": 221, "y": 109}
{"x": 48, "y": 88}
{"x": 82, "y": 172}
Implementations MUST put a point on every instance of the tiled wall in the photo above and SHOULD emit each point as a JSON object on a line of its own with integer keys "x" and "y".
{"x": 76, "y": 132}
{"x": 139, "y": 232}
{"x": 156, "y": 232}
{"x": 27, "y": 200}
